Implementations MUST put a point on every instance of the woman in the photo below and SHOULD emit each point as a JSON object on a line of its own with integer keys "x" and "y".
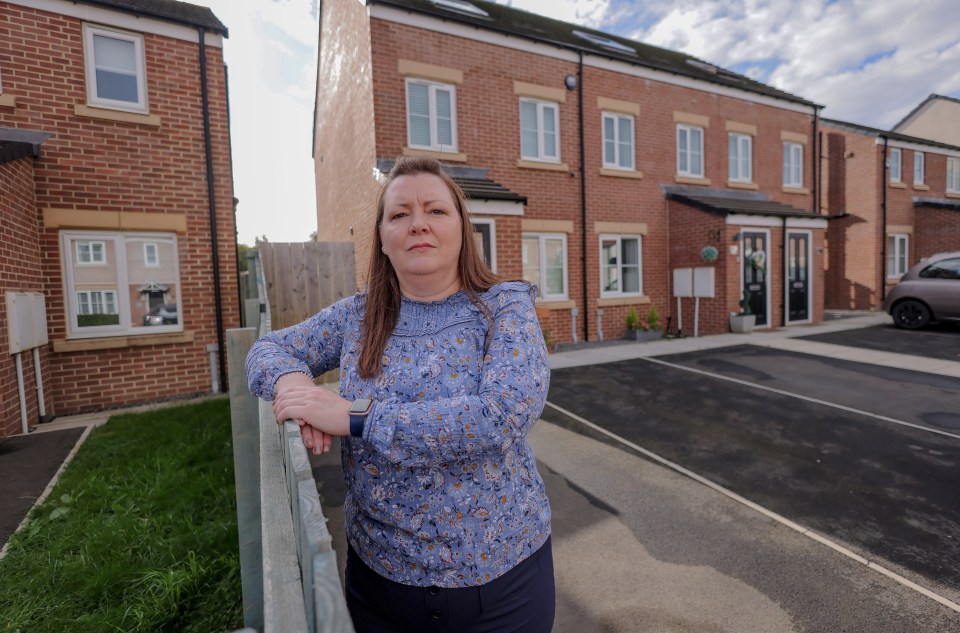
{"x": 443, "y": 371}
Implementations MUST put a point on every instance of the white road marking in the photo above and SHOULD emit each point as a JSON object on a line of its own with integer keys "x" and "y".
{"x": 807, "y": 398}
{"x": 764, "y": 511}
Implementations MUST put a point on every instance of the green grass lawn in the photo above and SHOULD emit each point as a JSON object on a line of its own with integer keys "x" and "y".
{"x": 140, "y": 533}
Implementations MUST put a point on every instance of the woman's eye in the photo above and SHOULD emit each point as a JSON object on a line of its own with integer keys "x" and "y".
{"x": 437, "y": 211}
{"x": 397, "y": 216}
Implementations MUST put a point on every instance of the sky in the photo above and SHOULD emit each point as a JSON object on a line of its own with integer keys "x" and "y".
{"x": 867, "y": 61}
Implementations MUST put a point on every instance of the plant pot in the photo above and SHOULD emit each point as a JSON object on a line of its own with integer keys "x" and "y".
{"x": 742, "y": 323}
{"x": 641, "y": 336}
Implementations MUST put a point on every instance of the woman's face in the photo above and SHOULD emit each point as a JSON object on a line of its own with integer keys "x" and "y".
{"x": 421, "y": 233}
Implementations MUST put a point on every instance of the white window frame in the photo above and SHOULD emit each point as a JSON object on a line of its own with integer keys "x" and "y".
{"x": 919, "y": 168}
{"x": 895, "y": 162}
{"x": 684, "y": 156}
{"x": 90, "y": 63}
{"x": 604, "y": 294}
{"x": 793, "y": 165}
{"x": 737, "y": 145}
{"x": 493, "y": 238}
{"x": 104, "y": 301}
{"x": 541, "y": 156}
{"x": 102, "y": 261}
{"x": 899, "y": 253}
{"x": 542, "y": 264}
{"x": 122, "y": 294}
{"x": 953, "y": 174}
{"x": 616, "y": 117}
{"x": 147, "y": 261}
{"x": 432, "y": 88}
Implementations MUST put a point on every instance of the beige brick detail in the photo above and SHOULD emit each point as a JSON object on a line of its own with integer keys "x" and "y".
{"x": 901, "y": 229}
{"x": 546, "y": 93}
{"x": 116, "y": 115}
{"x": 615, "y": 105}
{"x": 439, "y": 155}
{"x": 797, "y": 190}
{"x": 429, "y": 71}
{"x": 742, "y": 128}
{"x": 557, "y": 305}
{"x": 620, "y": 173}
{"x": 921, "y": 187}
{"x": 622, "y": 301}
{"x": 529, "y": 225}
{"x": 742, "y": 185}
{"x": 897, "y": 184}
{"x": 73, "y": 218}
{"x": 687, "y": 180}
{"x": 8, "y": 101}
{"x": 535, "y": 164}
{"x": 116, "y": 342}
{"x": 691, "y": 119}
{"x": 793, "y": 137}
{"x": 153, "y": 221}
{"x": 627, "y": 228}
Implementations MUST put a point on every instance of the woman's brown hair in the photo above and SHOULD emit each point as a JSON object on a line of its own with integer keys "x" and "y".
{"x": 383, "y": 288}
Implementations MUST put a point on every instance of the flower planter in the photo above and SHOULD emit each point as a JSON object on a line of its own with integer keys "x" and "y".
{"x": 642, "y": 336}
{"x": 742, "y": 323}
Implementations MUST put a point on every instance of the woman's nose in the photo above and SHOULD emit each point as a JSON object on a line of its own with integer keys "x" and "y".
{"x": 418, "y": 223}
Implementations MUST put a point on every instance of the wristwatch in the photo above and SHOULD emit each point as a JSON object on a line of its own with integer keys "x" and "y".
{"x": 359, "y": 411}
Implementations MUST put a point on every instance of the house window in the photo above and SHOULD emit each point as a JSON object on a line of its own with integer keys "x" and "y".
{"x": 121, "y": 283}
{"x": 544, "y": 258}
{"x": 91, "y": 252}
{"x": 918, "y": 168}
{"x": 431, "y": 115}
{"x": 620, "y": 265}
{"x": 690, "y": 151}
{"x": 485, "y": 236}
{"x": 617, "y": 141}
{"x": 793, "y": 165}
{"x": 539, "y": 130}
{"x": 151, "y": 255}
{"x": 896, "y": 255}
{"x": 895, "y": 163}
{"x": 953, "y": 175}
{"x": 740, "y": 158}
{"x": 116, "y": 75}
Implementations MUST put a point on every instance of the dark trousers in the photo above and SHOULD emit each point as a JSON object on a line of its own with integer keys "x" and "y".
{"x": 522, "y": 600}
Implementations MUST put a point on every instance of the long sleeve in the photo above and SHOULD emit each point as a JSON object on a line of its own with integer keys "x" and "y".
{"x": 514, "y": 379}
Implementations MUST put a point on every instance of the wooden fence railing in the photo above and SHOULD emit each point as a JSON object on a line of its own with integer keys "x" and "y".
{"x": 291, "y": 583}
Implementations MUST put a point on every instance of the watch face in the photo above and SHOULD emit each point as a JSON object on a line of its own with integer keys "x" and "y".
{"x": 360, "y": 406}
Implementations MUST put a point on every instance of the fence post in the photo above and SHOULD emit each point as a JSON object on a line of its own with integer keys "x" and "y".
{"x": 245, "y": 420}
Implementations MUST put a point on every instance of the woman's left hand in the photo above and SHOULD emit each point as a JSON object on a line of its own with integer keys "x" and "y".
{"x": 315, "y": 406}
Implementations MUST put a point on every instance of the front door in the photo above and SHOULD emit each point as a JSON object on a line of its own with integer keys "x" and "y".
{"x": 755, "y": 273}
{"x": 798, "y": 276}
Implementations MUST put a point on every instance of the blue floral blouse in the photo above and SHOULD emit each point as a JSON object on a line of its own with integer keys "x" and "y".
{"x": 443, "y": 488}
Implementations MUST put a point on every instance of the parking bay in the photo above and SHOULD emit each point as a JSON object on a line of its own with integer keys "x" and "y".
{"x": 866, "y": 456}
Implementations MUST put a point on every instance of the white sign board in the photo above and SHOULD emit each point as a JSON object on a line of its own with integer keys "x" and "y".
{"x": 27, "y": 319}
{"x": 703, "y": 282}
{"x": 682, "y": 282}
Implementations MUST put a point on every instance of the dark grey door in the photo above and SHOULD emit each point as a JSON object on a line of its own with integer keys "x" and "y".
{"x": 798, "y": 276}
{"x": 755, "y": 273}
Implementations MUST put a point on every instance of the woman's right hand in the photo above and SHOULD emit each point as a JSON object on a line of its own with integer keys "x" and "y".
{"x": 314, "y": 439}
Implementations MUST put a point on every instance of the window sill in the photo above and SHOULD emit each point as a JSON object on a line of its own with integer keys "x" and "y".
{"x": 898, "y": 185}
{"x": 556, "y": 305}
{"x": 689, "y": 180}
{"x": 8, "y": 101}
{"x": 117, "y": 342}
{"x": 536, "y": 164}
{"x": 621, "y": 173}
{"x": 116, "y": 115}
{"x": 609, "y": 302}
{"x": 742, "y": 185}
{"x": 952, "y": 194}
{"x": 919, "y": 186}
{"x": 455, "y": 157}
{"x": 796, "y": 190}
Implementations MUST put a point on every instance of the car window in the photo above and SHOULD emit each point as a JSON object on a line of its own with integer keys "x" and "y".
{"x": 946, "y": 269}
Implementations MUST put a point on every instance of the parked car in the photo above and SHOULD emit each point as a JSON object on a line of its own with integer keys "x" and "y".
{"x": 930, "y": 291}
{"x": 165, "y": 314}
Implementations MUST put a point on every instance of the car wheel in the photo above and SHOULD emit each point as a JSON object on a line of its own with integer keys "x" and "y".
{"x": 910, "y": 314}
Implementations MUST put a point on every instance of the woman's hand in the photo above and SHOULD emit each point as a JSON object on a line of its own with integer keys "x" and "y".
{"x": 320, "y": 413}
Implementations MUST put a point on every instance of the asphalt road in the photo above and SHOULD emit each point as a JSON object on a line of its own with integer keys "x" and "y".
{"x": 936, "y": 341}
{"x": 886, "y": 490}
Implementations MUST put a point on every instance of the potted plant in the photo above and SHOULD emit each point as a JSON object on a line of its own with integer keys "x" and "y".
{"x": 743, "y": 322}
{"x": 643, "y": 329}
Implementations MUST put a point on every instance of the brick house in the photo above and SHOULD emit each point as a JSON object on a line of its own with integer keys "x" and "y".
{"x": 899, "y": 198}
{"x": 937, "y": 118}
{"x": 595, "y": 165}
{"x": 116, "y": 200}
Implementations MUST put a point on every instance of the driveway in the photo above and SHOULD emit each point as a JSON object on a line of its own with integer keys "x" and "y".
{"x": 936, "y": 341}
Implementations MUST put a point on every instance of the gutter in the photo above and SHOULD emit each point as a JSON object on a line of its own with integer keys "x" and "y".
{"x": 883, "y": 224}
{"x": 583, "y": 204}
{"x": 211, "y": 203}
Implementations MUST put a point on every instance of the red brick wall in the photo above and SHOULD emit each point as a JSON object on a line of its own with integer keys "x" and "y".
{"x": 936, "y": 231}
{"x": 488, "y": 133}
{"x": 92, "y": 164}
{"x": 19, "y": 271}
